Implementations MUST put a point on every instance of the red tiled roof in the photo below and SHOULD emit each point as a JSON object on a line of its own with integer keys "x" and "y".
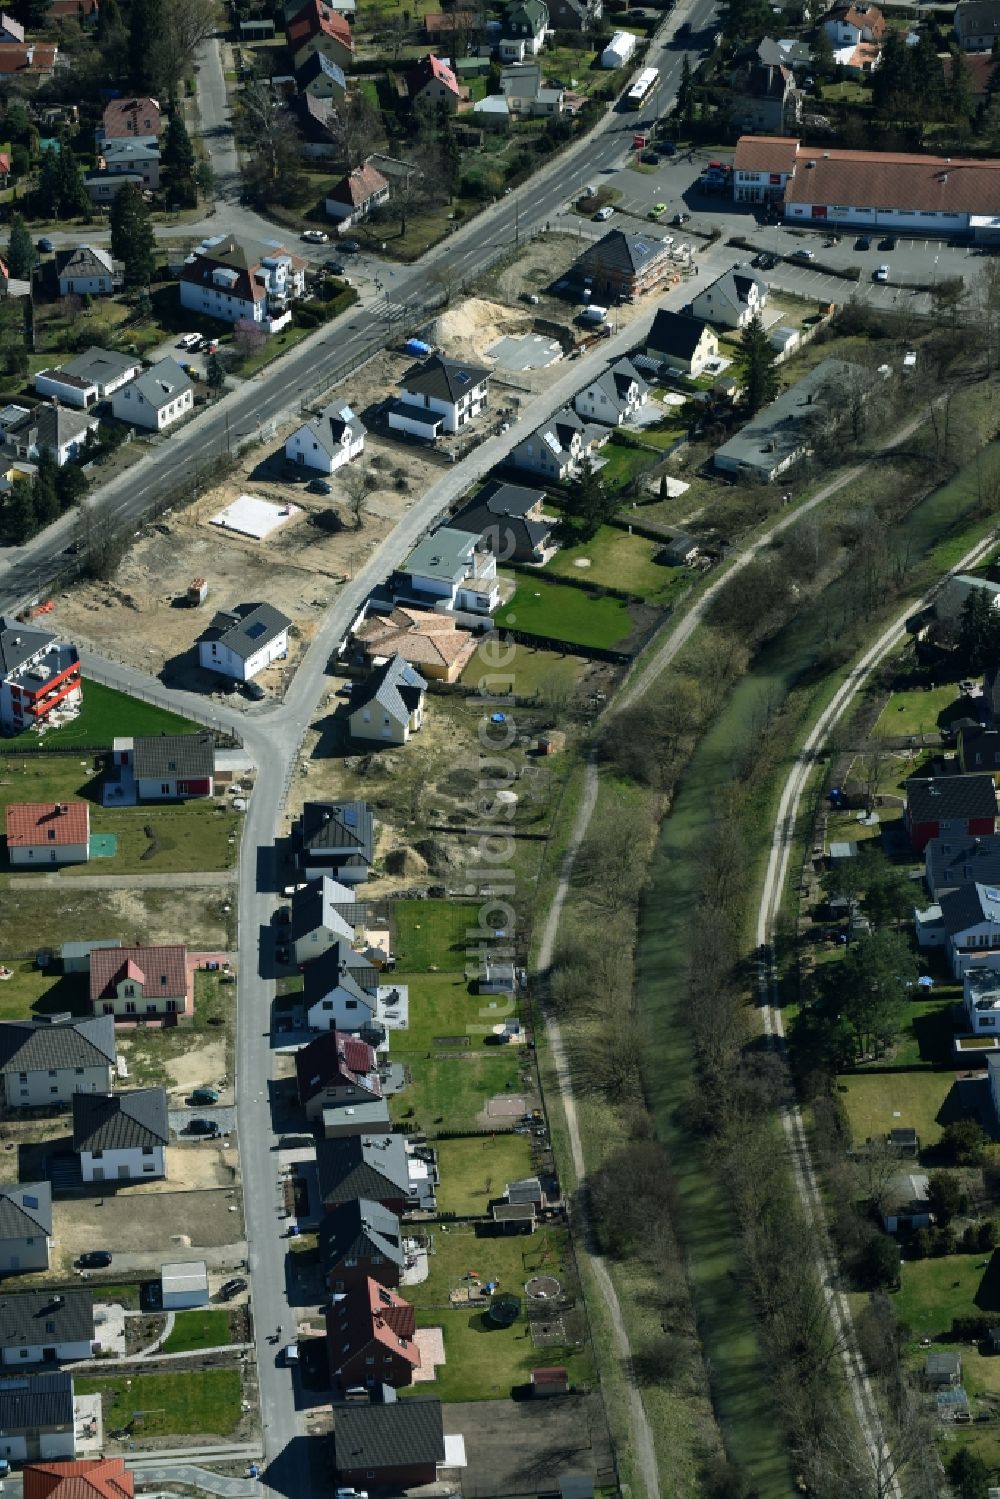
{"x": 359, "y": 186}
{"x": 245, "y": 286}
{"x": 765, "y": 153}
{"x": 879, "y": 179}
{"x": 315, "y": 19}
{"x": 31, "y": 57}
{"x": 33, "y": 824}
{"x": 864, "y": 17}
{"x": 62, "y": 10}
{"x": 88, "y": 1478}
{"x": 551, "y": 1374}
{"x": 374, "y": 1315}
{"x": 161, "y": 970}
{"x": 981, "y": 70}
{"x": 431, "y": 68}
{"x": 126, "y": 117}
{"x": 4, "y": 161}
{"x": 333, "y": 1059}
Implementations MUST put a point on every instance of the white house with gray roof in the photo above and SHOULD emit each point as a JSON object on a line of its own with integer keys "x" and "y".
{"x": 327, "y": 441}
{"x": 318, "y": 922}
{"x": 732, "y": 300}
{"x": 62, "y": 431}
{"x": 156, "y": 399}
{"x": 614, "y": 397}
{"x": 970, "y": 917}
{"x": 782, "y": 433}
{"x": 388, "y": 706}
{"x": 46, "y": 1327}
{"x": 439, "y": 396}
{"x": 952, "y": 598}
{"x": 558, "y": 448}
{"x": 87, "y": 270}
{"x": 25, "y": 1230}
{"x": 46, "y": 1062}
{"x": 121, "y": 1136}
{"x": 242, "y": 641}
{"x": 91, "y": 377}
{"x": 37, "y": 1419}
{"x": 450, "y": 570}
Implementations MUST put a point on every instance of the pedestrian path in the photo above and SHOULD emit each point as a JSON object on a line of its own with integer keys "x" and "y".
{"x": 202, "y": 877}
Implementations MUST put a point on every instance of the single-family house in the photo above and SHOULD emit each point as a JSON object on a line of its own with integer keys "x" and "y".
{"x": 764, "y": 98}
{"x": 352, "y": 198}
{"x": 25, "y": 1236}
{"x": 958, "y": 860}
{"x": 682, "y": 342}
{"x": 439, "y": 396}
{"x": 317, "y": 27}
{"x": 103, "y": 186}
{"x": 952, "y": 597}
{"x": 432, "y": 83}
{"x": 321, "y": 78}
{"x": 522, "y": 30}
{"x": 328, "y": 440}
{"x": 370, "y": 1338}
{"x": 360, "y": 1241}
{"x": 321, "y": 918}
{"x": 37, "y": 1419}
{"x": 335, "y": 838}
{"x": 351, "y": 1116}
{"x": 395, "y": 1445}
{"x": 523, "y": 86}
{"x": 623, "y": 264}
{"x": 45, "y": 1062}
{"x": 575, "y": 15}
{"x": 236, "y": 279}
{"x": 970, "y": 917}
{"x": 977, "y": 24}
{"x": 558, "y": 448}
{"x": 782, "y": 433}
{"x": 942, "y": 1369}
{"x": 450, "y": 570}
{"x": 165, "y": 767}
{"x": 156, "y": 399}
{"x": 130, "y": 119}
{"x": 43, "y": 834}
{"x": 58, "y": 428}
{"x": 52, "y": 1327}
{"x": 241, "y": 642}
{"x": 335, "y": 1068}
{"x": 87, "y": 270}
{"x": 385, "y": 1168}
{"x": 333, "y": 976}
{"x": 732, "y": 300}
{"x": 90, "y": 1477}
{"x": 614, "y": 397}
{"x": 337, "y": 1001}
{"x": 388, "y": 706}
{"x": 38, "y": 673}
{"x": 121, "y": 1137}
{"x": 852, "y": 22}
{"x": 28, "y": 62}
{"x": 981, "y": 1000}
{"x": 91, "y": 377}
{"x": 977, "y": 748}
{"x": 906, "y": 1205}
{"x": 431, "y": 642}
{"x": 949, "y": 806}
{"x": 10, "y": 30}
{"x": 137, "y": 983}
{"x": 510, "y": 521}
{"x": 133, "y": 158}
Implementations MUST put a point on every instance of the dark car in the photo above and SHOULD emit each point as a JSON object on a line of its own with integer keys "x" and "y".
{"x": 888, "y": 243}
{"x": 95, "y": 1259}
{"x": 862, "y": 242}
{"x": 319, "y": 486}
{"x": 770, "y": 261}
{"x": 350, "y": 246}
{"x": 680, "y": 218}
{"x": 45, "y": 245}
{"x": 759, "y": 262}
{"x": 335, "y": 267}
{"x": 254, "y": 691}
{"x": 205, "y": 1095}
{"x": 232, "y": 1288}
{"x": 803, "y": 254}
{"x": 202, "y": 1127}
{"x": 667, "y": 148}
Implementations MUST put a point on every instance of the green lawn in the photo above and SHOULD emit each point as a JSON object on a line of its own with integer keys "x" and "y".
{"x": 664, "y": 434}
{"x": 450, "y": 1092}
{"x": 936, "y": 1291}
{"x": 205, "y": 1328}
{"x": 547, "y": 608}
{"x": 104, "y": 715}
{"x": 621, "y": 464}
{"x": 877, "y": 1102}
{"x": 473, "y": 1172}
{"x": 432, "y": 934}
{"x": 509, "y": 1260}
{"x": 618, "y": 560}
{"x": 917, "y": 711}
{"x": 203, "y": 1402}
{"x": 530, "y": 672}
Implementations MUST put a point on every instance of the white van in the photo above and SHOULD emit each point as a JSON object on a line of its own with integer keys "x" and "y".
{"x": 291, "y": 1357}
{"x": 603, "y": 214}
{"x": 593, "y": 314}
{"x": 189, "y": 341}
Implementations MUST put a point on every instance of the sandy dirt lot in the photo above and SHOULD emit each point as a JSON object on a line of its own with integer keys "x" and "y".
{"x": 141, "y": 617}
{"x": 171, "y": 1222}
{"x": 36, "y": 916}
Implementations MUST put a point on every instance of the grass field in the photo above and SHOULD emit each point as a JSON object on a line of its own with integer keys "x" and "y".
{"x": 621, "y": 464}
{"x": 618, "y": 560}
{"x": 475, "y": 1171}
{"x": 917, "y": 711}
{"x": 530, "y": 672}
{"x": 104, "y": 715}
{"x": 547, "y": 608}
{"x": 205, "y": 1328}
{"x": 877, "y": 1102}
{"x": 483, "y": 1362}
{"x": 432, "y": 934}
{"x": 509, "y": 1260}
{"x": 936, "y": 1291}
{"x": 191, "y": 1402}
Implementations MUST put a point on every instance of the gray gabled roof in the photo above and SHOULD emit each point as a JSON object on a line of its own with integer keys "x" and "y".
{"x": 333, "y": 421}
{"x": 33, "y": 1318}
{"x": 35, "y": 1403}
{"x": 958, "y": 859}
{"x": 97, "y": 366}
{"x": 969, "y": 906}
{"x": 357, "y": 1230}
{"x": 395, "y": 685}
{"x": 120, "y": 1121}
{"x": 321, "y": 978}
{"x": 85, "y": 260}
{"x": 18, "y": 643}
{"x": 25, "y": 1211}
{"x": 246, "y": 628}
{"x": 343, "y": 828}
{"x": 373, "y": 1166}
{"x": 389, "y": 1436}
{"x": 324, "y": 974}
{"x": 161, "y": 384}
{"x": 733, "y": 286}
{"x": 615, "y": 383}
{"x": 444, "y": 379}
{"x": 316, "y": 907}
{"x": 316, "y": 64}
{"x": 619, "y": 250}
{"x": 49, "y": 426}
{"x": 950, "y": 798}
{"x": 186, "y": 755}
{"x": 38, "y": 1046}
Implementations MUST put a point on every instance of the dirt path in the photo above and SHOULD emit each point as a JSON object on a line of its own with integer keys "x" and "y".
{"x": 642, "y": 1436}
{"x": 181, "y": 881}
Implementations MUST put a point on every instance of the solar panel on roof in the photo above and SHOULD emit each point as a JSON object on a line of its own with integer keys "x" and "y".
{"x": 257, "y": 628}
{"x": 30, "y": 1202}
{"x": 461, "y": 377}
{"x": 350, "y": 817}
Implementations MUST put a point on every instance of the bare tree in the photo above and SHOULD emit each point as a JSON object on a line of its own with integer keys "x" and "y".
{"x": 270, "y": 140}
{"x": 873, "y": 766}
{"x": 358, "y": 486}
{"x": 186, "y": 24}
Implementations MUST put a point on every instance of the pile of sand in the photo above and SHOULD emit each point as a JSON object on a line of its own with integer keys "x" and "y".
{"x": 473, "y": 325}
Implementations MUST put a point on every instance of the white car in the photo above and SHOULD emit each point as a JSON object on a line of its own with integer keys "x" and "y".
{"x": 316, "y": 237}
{"x": 604, "y": 213}
{"x": 882, "y": 274}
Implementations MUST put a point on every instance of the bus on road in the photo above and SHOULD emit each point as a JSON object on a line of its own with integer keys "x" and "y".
{"x": 643, "y": 87}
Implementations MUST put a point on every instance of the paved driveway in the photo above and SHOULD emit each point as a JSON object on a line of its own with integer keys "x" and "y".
{"x": 181, "y": 1118}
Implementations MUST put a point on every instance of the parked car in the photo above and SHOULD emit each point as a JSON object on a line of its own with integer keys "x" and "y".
{"x": 254, "y": 691}
{"x": 94, "y": 1259}
{"x": 205, "y": 1095}
{"x": 657, "y": 209}
{"x": 335, "y": 267}
{"x": 667, "y": 148}
{"x": 680, "y": 218}
{"x": 189, "y": 342}
{"x": 888, "y": 242}
{"x": 319, "y": 486}
{"x": 290, "y": 1355}
{"x": 232, "y": 1288}
{"x": 316, "y": 237}
{"x": 603, "y": 214}
{"x": 650, "y": 158}
{"x": 202, "y": 1127}
{"x": 45, "y": 245}
{"x": 350, "y": 246}
{"x": 862, "y": 242}
{"x": 804, "y": 255}
{"x": 882, "y": 274}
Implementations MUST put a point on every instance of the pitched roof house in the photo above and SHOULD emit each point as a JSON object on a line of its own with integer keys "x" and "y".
{"x": 782, "y": 433}
{"x": 942, "y": 806}
{"x": 432, "y": 642}
{"x": 432, "y": 82}
{"x": 388, "y": 706}
{"x": 958, "y": 859}
{"x": 133, "y": 119}
{"x": 25, "y": 1234}
{"x": 155, "y": 399}
{"x": 684, "y": 343}
{"x": 764, "y": 97}
{"x": 165, "y": 767}
{"x": 322, "y": 916}
{"x": 335, "y": 838}
{"x": 522, "y": 30}
{"x": 625, "y": 264}
{"x": 36, "y": 1415}
{"x": 87, "y": 270}
{"x": 396, "y": 1444}
{"x": 28, "y": 61}
{"x": 322, "y": 78}
{"x": 91, "y": 377}
{"x": 852, "y": 22}
{"x": 49, "y": 1326}
{"x": 334, "y": 1068}
{"x": 614, "y": 397}
{"x": 132, "y": 983}
{"x": 354, "y": 196}
{"x": 236, "y": 279}
{"x": 384, "y": 1168}
{"x": 977, "y": 24}
{"x": 557, "y": 449}
{"x": 510, "y": 521}
{"x": 58, "y": 428}
{"x": 241, "y": 642}
{"x": 319, "y": 28}
{"x": 439, "y": 395}
{"x": 575, "y": 15}
{"x": 970, "y": 917}
{"x": 732, "y": 300}
{"x": 358, "y": 1241}
{"x": 87, "y": 1478}
{"x": 370, "y": 1337}
{"x": 43, "y": 1062}
{"x": 44, "y": 834}
{"x": 121, "y": 1136}
{"x": 331, "y": 438}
